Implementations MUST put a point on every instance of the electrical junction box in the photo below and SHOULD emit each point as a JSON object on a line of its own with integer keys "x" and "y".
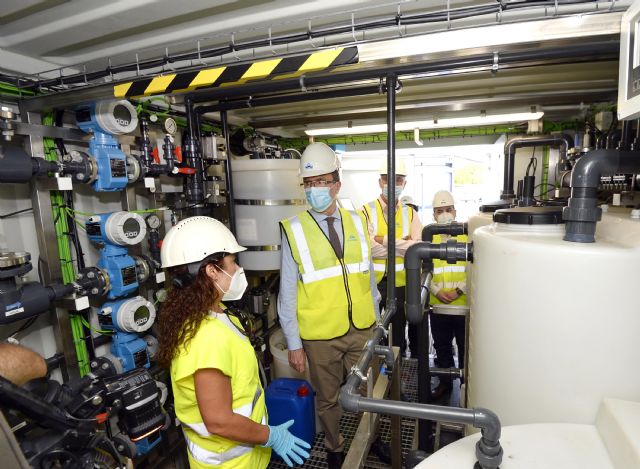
{"x": 629, "y": 76}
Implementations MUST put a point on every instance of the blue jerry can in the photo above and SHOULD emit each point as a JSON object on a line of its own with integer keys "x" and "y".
{"x": 291, "y": 398}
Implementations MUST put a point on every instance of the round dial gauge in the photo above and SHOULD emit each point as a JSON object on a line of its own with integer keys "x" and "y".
{"x": 153, "y": 221}
{"x": 170, "y": 126}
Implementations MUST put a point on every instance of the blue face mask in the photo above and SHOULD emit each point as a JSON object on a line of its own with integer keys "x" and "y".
{"x": 398, "y": 191}
{"x": 319, "y": 198}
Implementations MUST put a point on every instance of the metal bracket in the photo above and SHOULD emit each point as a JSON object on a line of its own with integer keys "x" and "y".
{"x": 496, "y": 65}
{"x": 310, "y": 35}
{"x": 358, "y": 373}
{"x": 303, "y": 87}
{"x": 380, "y": 326}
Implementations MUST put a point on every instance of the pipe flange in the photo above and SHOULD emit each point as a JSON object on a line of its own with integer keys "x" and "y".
{"x": 13, "y": 259}
{"x": 356, "y": 371}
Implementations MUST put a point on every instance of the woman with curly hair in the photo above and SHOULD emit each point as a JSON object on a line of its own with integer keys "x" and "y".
{"x": 214, "y": 371}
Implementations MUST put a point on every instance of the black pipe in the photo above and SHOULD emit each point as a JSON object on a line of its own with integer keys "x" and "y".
{"x": 582, "y": 213}
{"x": 635, "y": 145}
{"x": 625, "y": 139}
{"x": 145, "y": 144}
{"x": 566, "y": 54}
{"x": 563, "y": 141}
{"x": 311, "y": 95}
{"x": 452, "y": 229}
{"x": 227, "y": 172}
{"x": 391, "y": 306}
{"x": 193, "y": 183}
{"x": 424, "y": 337}
{"x": 17, "y": 166}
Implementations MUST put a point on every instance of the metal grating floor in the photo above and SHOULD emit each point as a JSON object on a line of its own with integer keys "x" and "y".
{"x": 349, "y": 424}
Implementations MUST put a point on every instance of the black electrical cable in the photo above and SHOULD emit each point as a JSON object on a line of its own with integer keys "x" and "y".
{"x": 398, "y": 20}
{"x": 7, "y": 215}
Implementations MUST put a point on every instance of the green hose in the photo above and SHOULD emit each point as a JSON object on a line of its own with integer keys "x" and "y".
{"x": 66, "y": 262}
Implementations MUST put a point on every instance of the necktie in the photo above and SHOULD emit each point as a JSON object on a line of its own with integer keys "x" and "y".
{"x": 333, "y": 237}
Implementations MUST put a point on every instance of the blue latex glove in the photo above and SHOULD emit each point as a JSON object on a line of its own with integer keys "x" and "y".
{"x": 287, "y": 445}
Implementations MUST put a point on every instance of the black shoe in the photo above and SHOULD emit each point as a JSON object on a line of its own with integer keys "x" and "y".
{"x": 441, "y": 391}
{"x": 335, "y": 459}
{"x": 382, "y": 450}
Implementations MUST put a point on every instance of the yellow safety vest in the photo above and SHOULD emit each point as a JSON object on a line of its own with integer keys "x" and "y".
{"x": 376, "y": 216}
{"x": 220, "y": 344}
{"x": 449, "y": 275}
{"x": 332, "y": 293}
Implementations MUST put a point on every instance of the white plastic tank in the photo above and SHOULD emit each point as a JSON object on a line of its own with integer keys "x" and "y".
{"x": 554, "y": 324}
{"x": 280, "y": 353}
{"x": 265, "y": 192}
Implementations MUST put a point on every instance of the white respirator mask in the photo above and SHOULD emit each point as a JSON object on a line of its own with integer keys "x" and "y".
{"x": 237, "y": 286}
{"x": 444, "y": 218}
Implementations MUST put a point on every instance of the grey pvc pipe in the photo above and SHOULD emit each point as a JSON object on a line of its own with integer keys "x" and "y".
{"x": 488, "y": 449}
{"x": 451, "y": 251}
{"x": 582, "y": 213}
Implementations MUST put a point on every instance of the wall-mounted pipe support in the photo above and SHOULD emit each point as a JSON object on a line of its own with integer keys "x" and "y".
{"x": 582, "y": 212}
{"x": 563, "y": 142}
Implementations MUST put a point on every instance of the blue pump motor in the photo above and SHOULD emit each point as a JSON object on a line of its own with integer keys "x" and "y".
{"x": 104, "y": 119}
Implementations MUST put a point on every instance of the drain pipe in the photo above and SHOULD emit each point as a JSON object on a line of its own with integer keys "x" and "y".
{"x": 488, "y": 449}
{"x": 582, "y": 212}
{"x": 563, "y": 142}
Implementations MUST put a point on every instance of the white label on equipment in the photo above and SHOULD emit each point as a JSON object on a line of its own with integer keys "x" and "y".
{"x": 11, "y": 312}
{"x": 160, "y": 277}
{"x": 247, "y": 229}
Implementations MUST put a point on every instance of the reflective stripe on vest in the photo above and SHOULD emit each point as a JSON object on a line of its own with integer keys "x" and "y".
{"x": 246, "y": 410}
{"x": 449, "y": 276}
{"x": 375, "y": 213}
{"x": 332, "y": 294}
{"x": 310, "y": 273}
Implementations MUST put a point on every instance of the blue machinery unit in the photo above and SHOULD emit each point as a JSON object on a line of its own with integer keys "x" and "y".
{"x": 104, "y": 119}
{"x": 113, "y": 233}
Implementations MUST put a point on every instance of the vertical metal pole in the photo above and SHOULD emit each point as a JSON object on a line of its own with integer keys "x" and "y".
{"x": 391, "y": 197}
{"x": 49, "y": 255}
{"x": 227, "y": 173}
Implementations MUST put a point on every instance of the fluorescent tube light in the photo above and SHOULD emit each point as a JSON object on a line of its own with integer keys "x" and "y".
{"x": 446, "y": 123}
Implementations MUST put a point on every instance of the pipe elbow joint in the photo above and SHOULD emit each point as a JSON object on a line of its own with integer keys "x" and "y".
{"x": 387, "y": 353}
{"x": 349, "y": 399}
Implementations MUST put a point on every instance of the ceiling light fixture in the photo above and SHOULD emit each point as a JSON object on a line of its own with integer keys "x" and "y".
{"x": 447, "y": 123}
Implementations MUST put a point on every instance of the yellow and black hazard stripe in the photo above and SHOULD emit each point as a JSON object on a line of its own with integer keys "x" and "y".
{"x": 273, "y": 69}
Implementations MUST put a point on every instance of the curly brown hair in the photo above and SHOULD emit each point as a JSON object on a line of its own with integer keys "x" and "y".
{"x": 184, "y": 310}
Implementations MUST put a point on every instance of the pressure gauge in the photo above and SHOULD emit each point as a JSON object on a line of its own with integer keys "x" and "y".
{"x": 170, "y": 126}
{"x": 153, "y": 221}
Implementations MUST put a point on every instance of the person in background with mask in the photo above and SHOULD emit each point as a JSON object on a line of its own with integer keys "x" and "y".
{"x": 214, "y": 371}
{"x": 408, "y": 232}
{"x": 448, "y": 286}
{"x": 328, "y": 302}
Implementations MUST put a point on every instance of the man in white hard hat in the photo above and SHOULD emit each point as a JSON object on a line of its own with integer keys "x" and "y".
{"x": 448, "y": 286}
{"x": 408, "y": 232}
{"x": 328, "y": 302}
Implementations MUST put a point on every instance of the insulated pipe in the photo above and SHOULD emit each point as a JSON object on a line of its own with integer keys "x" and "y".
{"x": 224, "y": 121}
{"x": 391, "y": 306}
{"x": 451, "y": 251}
{"x": 563, "y": 141}
{"x": 582, "y": 213}
{"x": 565, "y": 53}
{"x": 252, "y": 102}
{"x": 488, "y": 450}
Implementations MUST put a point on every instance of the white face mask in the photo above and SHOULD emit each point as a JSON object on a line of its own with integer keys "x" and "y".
{"x": 237, "y": 286}
{"x": 444, "y": 218}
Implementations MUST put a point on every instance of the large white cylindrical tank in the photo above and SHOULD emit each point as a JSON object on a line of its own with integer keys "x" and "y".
{"x": 554, "y": 324}
{"x": 265, "y": 192}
